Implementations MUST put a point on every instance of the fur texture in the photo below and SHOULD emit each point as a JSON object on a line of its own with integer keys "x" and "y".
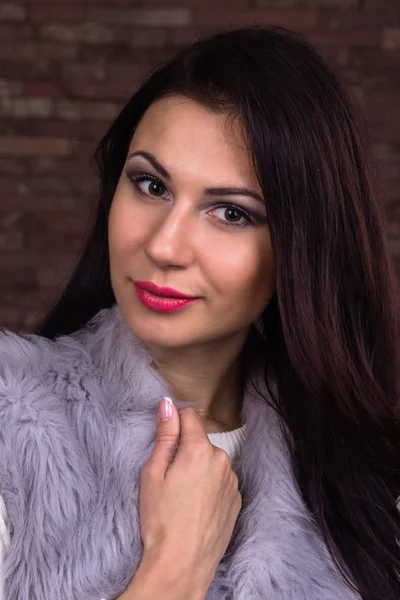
{"x": 77, "y": 422}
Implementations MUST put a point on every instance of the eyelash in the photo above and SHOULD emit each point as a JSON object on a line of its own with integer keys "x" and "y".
{"x": 137, "y": 178}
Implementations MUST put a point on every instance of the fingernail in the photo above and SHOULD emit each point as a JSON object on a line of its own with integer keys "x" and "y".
{"x": 166, "y": 408}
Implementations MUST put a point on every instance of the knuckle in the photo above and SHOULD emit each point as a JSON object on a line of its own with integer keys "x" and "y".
{"x": 235, "y": 480}
{"x": 149, "y": 470}
{"x": 197, "y": 449}
{"x": 238, "y": 499}
{"x": 166, "y": 437}
{"x": 188, "y": 411}
{"x": 223, "y": 458}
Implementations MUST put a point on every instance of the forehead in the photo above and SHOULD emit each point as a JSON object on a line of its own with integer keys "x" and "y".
{"x": 187, "y": 136}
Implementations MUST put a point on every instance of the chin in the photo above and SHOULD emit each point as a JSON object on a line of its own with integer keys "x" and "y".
{"x": 165, "y": 335}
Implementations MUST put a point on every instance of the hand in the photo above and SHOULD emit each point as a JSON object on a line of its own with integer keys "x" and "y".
{"x": 189, "y": 501}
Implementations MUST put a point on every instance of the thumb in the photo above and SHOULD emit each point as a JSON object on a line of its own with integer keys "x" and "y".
{"x": 167, "y": 435}
{"x": 192, "y": 428}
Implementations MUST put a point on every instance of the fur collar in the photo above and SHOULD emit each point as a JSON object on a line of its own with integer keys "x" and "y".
{"x": 78, "y": 420}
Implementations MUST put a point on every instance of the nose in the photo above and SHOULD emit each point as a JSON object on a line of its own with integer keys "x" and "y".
{"x": 170, "y": 241}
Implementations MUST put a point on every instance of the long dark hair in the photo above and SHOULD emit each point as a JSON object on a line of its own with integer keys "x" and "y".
{"x": 332, "y": 330}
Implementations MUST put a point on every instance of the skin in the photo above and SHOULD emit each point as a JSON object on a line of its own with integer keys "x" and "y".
{"x": 173, "y": 235}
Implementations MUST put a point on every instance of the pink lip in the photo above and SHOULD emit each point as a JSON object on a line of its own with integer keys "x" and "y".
{"x": 160, "y": 303}
{"x": 161, "y": 291}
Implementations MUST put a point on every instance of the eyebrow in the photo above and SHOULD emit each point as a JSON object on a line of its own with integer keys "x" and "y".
{"x": 214, "y": 191}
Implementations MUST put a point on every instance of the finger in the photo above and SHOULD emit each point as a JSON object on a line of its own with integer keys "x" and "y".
{"x": 167, "y": 435}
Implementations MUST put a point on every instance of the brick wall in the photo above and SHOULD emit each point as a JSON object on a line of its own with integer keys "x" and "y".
{"x": 66, "y": 68}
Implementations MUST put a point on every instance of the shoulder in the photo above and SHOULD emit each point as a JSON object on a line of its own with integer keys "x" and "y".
{"x": 21, "y": 355}
{"x": 31, "y": 368}
{"x": 36, "y": 371}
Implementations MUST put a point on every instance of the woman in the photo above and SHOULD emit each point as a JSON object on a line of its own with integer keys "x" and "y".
{"x": 238, "y": 175}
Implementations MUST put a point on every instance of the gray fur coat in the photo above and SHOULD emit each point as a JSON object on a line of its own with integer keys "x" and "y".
{"x": 77, "y": 424}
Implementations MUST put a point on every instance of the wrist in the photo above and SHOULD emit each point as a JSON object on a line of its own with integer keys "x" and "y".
{"x": 176, "y": 578}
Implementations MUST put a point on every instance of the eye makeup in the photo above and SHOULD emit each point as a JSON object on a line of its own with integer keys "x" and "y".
{"x": 139, "y": 177}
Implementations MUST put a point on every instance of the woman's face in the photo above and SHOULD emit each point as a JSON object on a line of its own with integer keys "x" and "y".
{"x": 167, "y": 226}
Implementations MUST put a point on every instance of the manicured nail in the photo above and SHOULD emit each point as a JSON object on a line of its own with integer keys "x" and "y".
{"x": 166, "y": 408}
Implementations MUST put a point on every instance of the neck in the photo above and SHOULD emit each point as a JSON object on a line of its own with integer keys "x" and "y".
{"x": 210, "y": 377}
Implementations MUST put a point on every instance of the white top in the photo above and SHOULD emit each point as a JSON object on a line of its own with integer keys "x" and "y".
{"x": 230, "y": 441}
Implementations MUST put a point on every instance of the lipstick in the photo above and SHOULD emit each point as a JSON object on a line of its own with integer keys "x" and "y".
{"x": 157, "y": 290}
{"x": 162, "y": 303}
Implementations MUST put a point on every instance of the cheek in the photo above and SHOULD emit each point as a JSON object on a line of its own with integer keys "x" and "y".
{"x": 123, "y": 237}
{"x": 244, "y": 270}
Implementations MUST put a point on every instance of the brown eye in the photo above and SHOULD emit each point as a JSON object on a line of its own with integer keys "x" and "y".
{"x": 156, "y": 188}
{"x": 148, "y": 185}
{"x": 232, "y": 214}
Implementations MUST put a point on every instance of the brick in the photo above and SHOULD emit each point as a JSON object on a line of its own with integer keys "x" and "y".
{"x": 84, "y": 72}
{"x": 19, "y": 70}
{"x": 10, "y": 32}
{"x": 10, "y": 318}
{"x": 338, "y": 4}
{"x": 120, "y": 91}
{"x": 392, "y": 214}
{"x": 391, "y": 39}
{"x": 54, "y": 275}
{"x": 293, "y": 20}
{"x": 282, "y": 4}
{"x": 46, "y": 89}
{"x": 35, "y": 260}
{"x": 388, "y": 132}
{"x": 26, "y": 107}
{"x": 337, "y": 57}
{"x": 185, "y": 35}
{"x": 88, "y": 81}
{"x": 90, "y": 33}
{"x": 45, "y": 224}
{"x": 170, "y": 17}
{"x": 140, "y": 4}
{"x": 11, "y": 241}
{"x": 347, "y": 38}
{"x": 50, "y": 185}
{"x": 349, "y": 17}
{"x": 36, "y": 298}
{"x": 384, "y": 11}
{"x": 83, "y": 129}
{"x": 394, "y": 246}
{"x": 387, "y": 152}
{"x": 18, "y": 279}
{"x": 67, "y": 166}
{"x": 44, "y": 202}
{"x": 374, "y": 60}
{"x": 12, "y": 11}
{"x": 53, "y": 242}
{"x": 381, "y": 111}
{"x": 145, "y": 37}
{"x": 31, "y": 51}
{"x": 75, "y": 111}
{"x": 24, "y": 146}
{"x": 68, "y": 224}
{"x": 128, "y": 74}
{"x": 63, "y": 12}
{"x": 390, "y": 182}
{"x": 31, "y": 320}
{"x": 12, "y": 166}
{"x": 10, "y": 220}
{"x": 64, "y": 166}
{"x": 91, "y": 81}
{"x": 12, "y": 188}
{"x": 9, "y": 88}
